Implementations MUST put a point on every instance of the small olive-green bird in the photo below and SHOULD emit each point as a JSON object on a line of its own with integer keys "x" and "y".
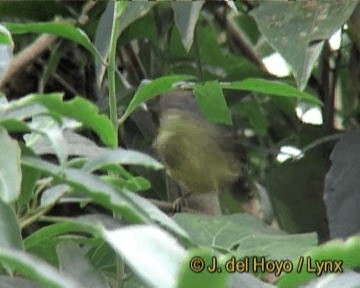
{"x": 196, "y": 153}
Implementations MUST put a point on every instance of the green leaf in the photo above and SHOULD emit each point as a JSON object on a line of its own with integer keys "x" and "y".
{"x": 134, "y": 208}
{"x": 186, "y": 14}
{"x": 120, "y": 156}
{"x": 64, "y": 30}
{"x": 79, "y": 109}
{"x": 132, "y": 12}
{"x": 77, "y": 145}
{"x": 297, "y": 30}
{"x": 51, "y": 195}
{"x": 250, "y": 235}
{"x": 73, "y": 261}
{"x": 10, "y": 168}
{"x": 46, "y": 233}
{"x": 150, "y": 89}
{"x": 271, "y": 88}
{"x": 46, "y": 126}
{"x": 337, "y": 250}
{"x": 10, "y": 235}
{"x": 21, "y": 111}
{"x": 119, "y": 8}
{"x": 29, "y": 178}
{"x": 132, "y": 184}
{"x": 36, "y": 269}
{"x": 212, "y": 102}
{"x": 5, "y": 36}
{"x": 132, "y": 243}
{"x": 93, "y": 187}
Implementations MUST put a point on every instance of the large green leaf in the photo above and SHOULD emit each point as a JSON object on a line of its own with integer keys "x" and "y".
{"x": 10, "y": 236}
{"x": 79, "y": 109}
{"x": 150, "y": 89}
{"x": 212, "y": 102}
{"x": 272, "y": 88}
{"x": 297, "y": 30}
{"x": 248, "y": 234}
{"x": 10, "y": 168}
{"x": 186, "y": 14}
{"x": 59, "y": 29}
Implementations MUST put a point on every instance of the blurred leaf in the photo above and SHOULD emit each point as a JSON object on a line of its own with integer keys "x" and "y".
{"x": 186, "y": 14}
{"x": 254, "y": 114}
{"x": 120, "y": 156}
{"x": 297, "y": 30}
{"x": 132, "y": 243}
{"x": 36, "y": 269}
{"x": 10, "y": 169}
{"x": 72, "y": 261}
{"x": 272, "y": 88}
{"x": 295, "y": 189}
{"x": 341, "y": 193}
{"x": 59, "y": 29}
{"x": 149, "y": 89}
{"x": 337, "y": 250}
{"x": 248, "y": 234}
{"x": 212, "y": 102}
{"x": 10, "y": 236}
